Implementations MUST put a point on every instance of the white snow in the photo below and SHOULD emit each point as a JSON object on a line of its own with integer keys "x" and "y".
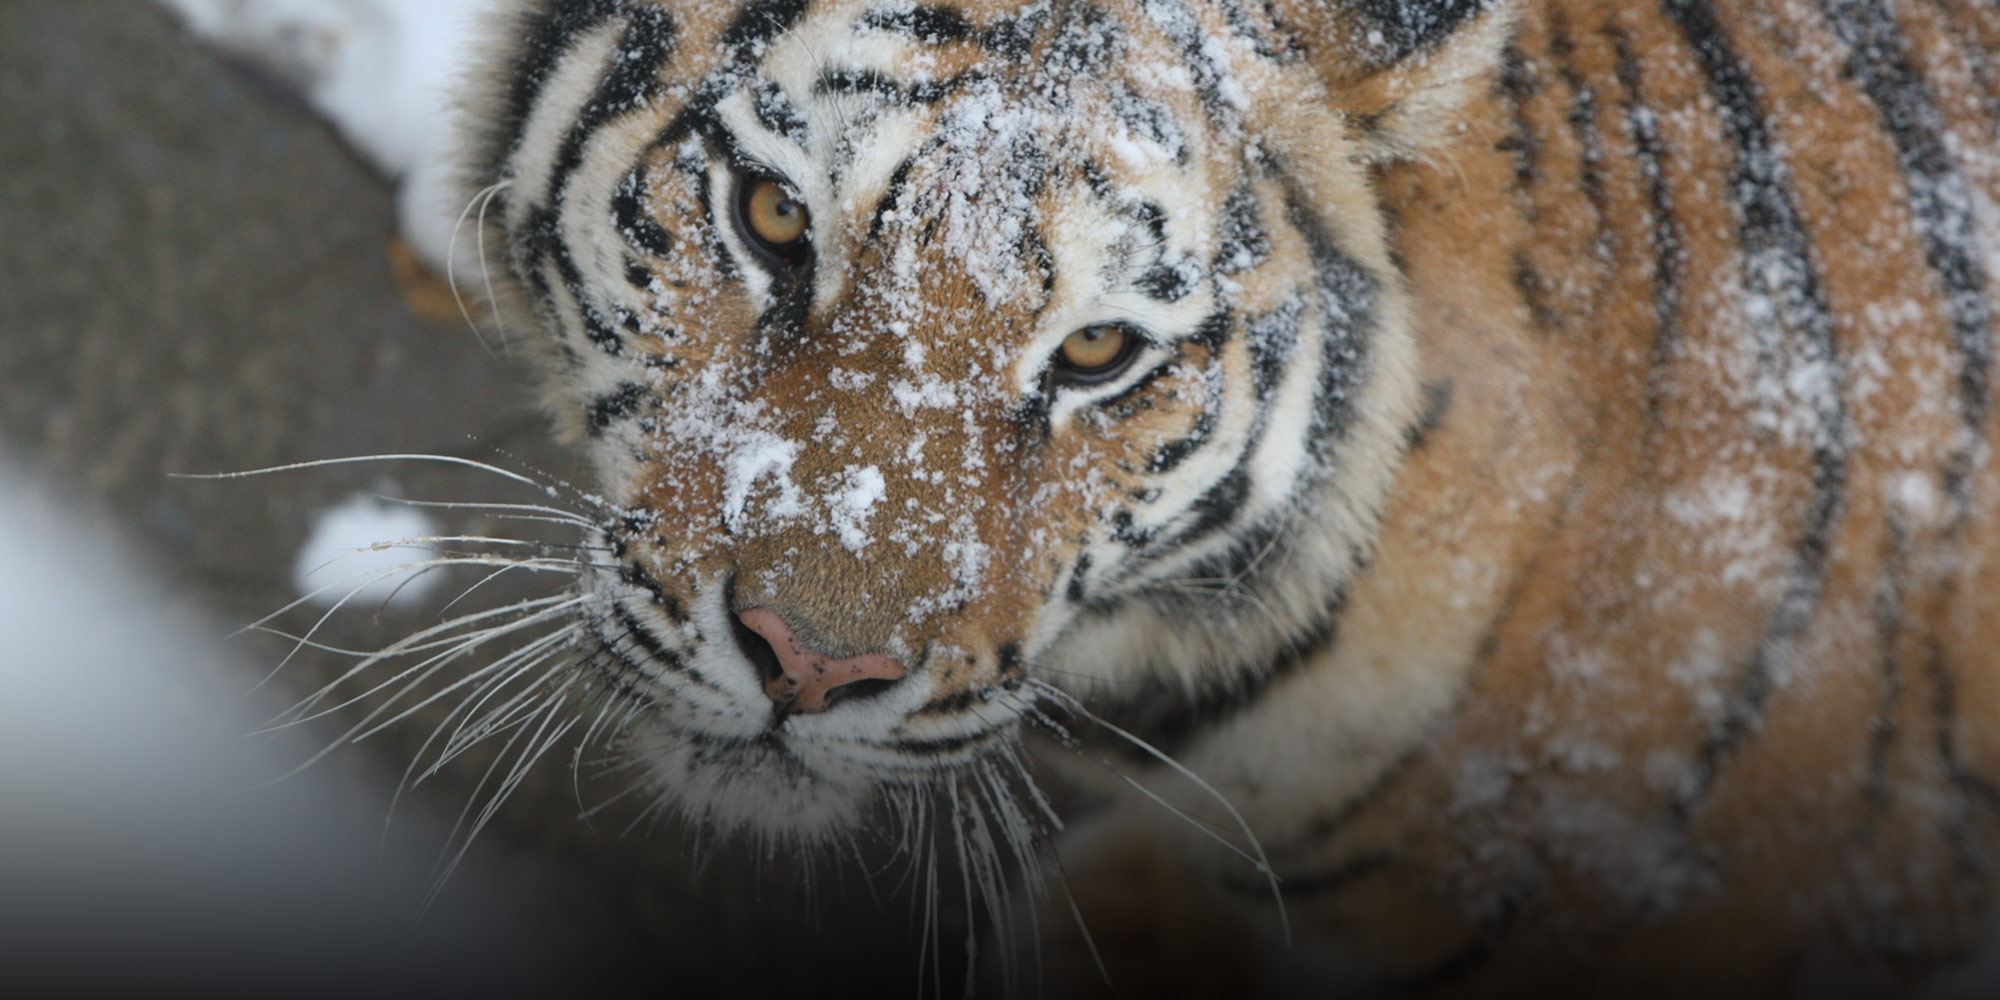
{"x": 851, "y": 507}
{"x": 752, "y": 456}
{"x": 380, "y": 71}
{"x": 366, "y": 542}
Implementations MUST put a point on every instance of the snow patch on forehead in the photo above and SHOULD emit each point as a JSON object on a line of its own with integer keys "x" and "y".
{"x": 981, "y": 186}
{"x": 751, "y": 455}
{"x": 852, "y": 506}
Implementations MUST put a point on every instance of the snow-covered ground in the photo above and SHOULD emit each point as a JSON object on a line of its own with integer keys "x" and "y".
{"x": 380, "y": 70}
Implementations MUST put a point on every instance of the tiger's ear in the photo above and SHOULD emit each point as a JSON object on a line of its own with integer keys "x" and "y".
{"x": 1402, "y": 71}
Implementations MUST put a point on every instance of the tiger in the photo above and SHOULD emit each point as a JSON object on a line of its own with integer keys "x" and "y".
{"x": 1467, "y": 496}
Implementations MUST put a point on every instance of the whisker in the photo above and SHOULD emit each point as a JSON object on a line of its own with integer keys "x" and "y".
{"x": 553, "y": 515}
{"x": 486, "y": 263}
{"x": 537, "y": 746}
{"x": 422, "y": 640}
{"x": 325, "y": 463}
{"x": 484, "y": 197}
{"x": 1255, "y": 853}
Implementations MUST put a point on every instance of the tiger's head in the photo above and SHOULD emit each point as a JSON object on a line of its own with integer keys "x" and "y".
{"x": 935, "y": 354}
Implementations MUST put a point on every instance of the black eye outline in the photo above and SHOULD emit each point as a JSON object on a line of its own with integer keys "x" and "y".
{"x": 788, "y": 257}
{"x": 1062, "y": 373}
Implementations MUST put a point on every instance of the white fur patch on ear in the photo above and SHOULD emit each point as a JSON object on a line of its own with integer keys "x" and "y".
{"x": 1416, "y": 105}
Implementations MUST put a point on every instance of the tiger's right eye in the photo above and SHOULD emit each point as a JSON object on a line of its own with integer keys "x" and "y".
{"x": 773, "y": 220}
{"x": 1097, "y": 353}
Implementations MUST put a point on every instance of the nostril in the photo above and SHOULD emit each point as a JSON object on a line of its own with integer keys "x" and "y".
{"x": 757, "y": 650}
{"x": 805, "y": 679}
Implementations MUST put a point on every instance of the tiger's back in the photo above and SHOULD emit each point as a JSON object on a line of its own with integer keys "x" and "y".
{"x": 1712, "y": 286}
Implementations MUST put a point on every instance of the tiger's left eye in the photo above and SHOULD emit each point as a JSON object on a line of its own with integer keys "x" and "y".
{"x": 1097, "y": 353}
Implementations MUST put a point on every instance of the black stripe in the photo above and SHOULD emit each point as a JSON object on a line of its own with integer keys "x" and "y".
{"x": 1245, "y": 242}
{"x": 1219, "y": 505}
{"x": 1125, "y": 532}
{"x": 1085, "y": 41}
{"x": 1151, "y": 120}
{"x": 1534, "y": 294}
{"x": 1273, "y": 341}
{"x": 1518, "y": 82}
{"x": 1129, "y": 401}
{"x": 1942, "y": 202}
{"x": 632, "y": 81}
{"x": 595, "y": 328}
{"x": 1170, "y": 718}
{"x": 894, "y": 189}
{"x": 1281, "y": 45}
{"x": 538, "y": 245}
{"x": 932, "y": 24}
{"x": 1170, "y": 283}
{"x": 1183, "y": 28}
{"x": 1008, "y": 658}
{"x": 641, "y": 635}
{"x": 1169, "y": 456}
{"x": 547, "y": 40}
{"x": 1778, "y": 268}
{"x": 634, "y": 221}
{"x": 759, "y": 23}
{"x": 1462, "y": 964}
{"x": 638, "y": 275}
{"x": 613, "y": 406}
{"x": 1347, "y": 298}
{"x": 1669, "y": 249}
{"x": 1582, "y": 119}
{"x": 1076, "y": 576}
{"x": 872, "y": 83}
{"x": 1325, "y": 881}
{"x": 1210, "y": 336}
{"x": 777, "y": 114}
{"x": 1400, "y": 28}
{"x": 1438, "y": 397}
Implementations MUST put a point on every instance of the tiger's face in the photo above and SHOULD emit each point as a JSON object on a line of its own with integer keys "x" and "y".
{"x": 933, "y": 354}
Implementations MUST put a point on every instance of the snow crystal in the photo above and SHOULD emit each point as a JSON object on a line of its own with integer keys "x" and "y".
{"x": 758, "y": 454}
{"x": 1913, "y": 492}
{"x": 370, "y": 548}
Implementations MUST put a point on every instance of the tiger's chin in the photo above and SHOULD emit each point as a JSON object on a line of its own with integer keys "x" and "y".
{"x": 771, "y": 785}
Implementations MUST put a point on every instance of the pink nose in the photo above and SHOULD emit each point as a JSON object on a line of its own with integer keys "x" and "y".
{"x": 805, "y": 678}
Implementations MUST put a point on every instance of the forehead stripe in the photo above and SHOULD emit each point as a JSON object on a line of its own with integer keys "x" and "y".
{"x": 776, "y": 113}
{"x": 760, "y": 22}
{"x": 633, "y": 81}
{"x": 549, "y": 40}
{"x": 931, "y": 23}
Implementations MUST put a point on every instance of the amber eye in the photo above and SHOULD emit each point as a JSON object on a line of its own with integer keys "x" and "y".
{"x": 773, "y": 219}
{"x": 1096, "y": 354}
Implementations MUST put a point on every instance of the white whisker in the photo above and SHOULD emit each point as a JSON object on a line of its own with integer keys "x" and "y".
{"x": 481, "y": 199}
{"x": 1253, "y": 854}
